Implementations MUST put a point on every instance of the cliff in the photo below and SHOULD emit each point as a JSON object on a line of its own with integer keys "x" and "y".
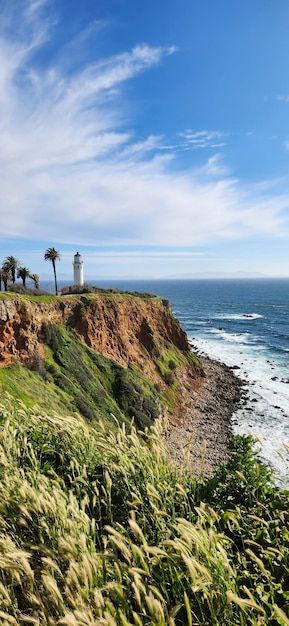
{"x": 117, "y": 355}
{"x": 103, "y": 354}
{"x": 123, "y": 328}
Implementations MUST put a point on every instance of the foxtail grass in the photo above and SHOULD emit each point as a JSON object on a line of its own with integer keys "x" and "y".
{"x": 99, "y": 527}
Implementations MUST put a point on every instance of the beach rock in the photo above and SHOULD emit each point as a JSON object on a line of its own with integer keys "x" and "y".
{"x": 204, "y": 428}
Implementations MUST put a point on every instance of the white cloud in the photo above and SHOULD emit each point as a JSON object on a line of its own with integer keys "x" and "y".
{"x": 72, "y": 171}
{"x": 34, "y": 6}
{"x": 202, "y": 139}
{"x": 131, "y": 255}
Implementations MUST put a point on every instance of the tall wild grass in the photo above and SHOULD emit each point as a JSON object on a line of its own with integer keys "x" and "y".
{"x": 100, "y": 528}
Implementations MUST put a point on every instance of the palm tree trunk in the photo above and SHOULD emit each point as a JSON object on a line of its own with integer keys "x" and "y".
{"x": 55, "y": 279}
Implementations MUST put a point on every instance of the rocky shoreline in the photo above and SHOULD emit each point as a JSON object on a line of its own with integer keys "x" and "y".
{"x": 200, "y": 434}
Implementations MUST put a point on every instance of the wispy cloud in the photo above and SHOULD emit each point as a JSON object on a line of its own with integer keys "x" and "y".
{"x": 202, "y": 139}
{"x": 144, "y": 254}
{"x": 72, "y": 169}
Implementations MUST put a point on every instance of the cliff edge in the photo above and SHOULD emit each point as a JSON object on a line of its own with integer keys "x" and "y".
{"x": 123, "y": 328}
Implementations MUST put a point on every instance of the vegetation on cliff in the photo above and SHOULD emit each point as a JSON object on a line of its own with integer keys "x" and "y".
{"x": 65, "y": 345}
{"x": 98, "y": 527}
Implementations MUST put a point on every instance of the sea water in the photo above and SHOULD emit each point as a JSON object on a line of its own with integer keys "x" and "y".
{"x": 245, "y": 324}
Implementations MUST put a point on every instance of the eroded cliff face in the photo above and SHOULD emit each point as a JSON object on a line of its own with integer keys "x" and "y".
{"x": 123, "y": 328}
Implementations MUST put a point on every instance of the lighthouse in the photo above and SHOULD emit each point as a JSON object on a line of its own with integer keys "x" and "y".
{"x": 78, "y": 269}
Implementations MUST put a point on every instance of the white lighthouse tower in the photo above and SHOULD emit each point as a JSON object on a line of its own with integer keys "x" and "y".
{"x": 78, "y": 269}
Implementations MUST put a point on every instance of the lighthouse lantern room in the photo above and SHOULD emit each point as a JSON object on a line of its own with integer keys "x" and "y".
{"x": 78, "y": 269}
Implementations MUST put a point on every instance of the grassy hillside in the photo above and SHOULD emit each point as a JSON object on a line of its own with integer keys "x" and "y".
{"x": 98, "y": 527}
{"x": 95, "y": 354}
{"x": 73, "y": 378}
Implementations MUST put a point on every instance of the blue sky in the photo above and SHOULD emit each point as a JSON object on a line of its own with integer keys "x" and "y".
{"x": 151, "y": 136}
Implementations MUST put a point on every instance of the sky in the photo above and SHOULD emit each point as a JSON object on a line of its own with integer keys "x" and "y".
{"x": 151, "y": 136}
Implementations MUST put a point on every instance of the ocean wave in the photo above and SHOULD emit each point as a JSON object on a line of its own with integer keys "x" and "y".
{"x": 238, "y": 316}
{"x": 232, "y": 337}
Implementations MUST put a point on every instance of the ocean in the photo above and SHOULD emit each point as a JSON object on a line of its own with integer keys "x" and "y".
{"x": 245, "y": 324}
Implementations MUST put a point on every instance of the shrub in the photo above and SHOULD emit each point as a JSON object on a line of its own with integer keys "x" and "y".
{"x": 133, "y": 400}
{"x": 172, "y": 365}
{"x": 85, "y": 408}
{"x": 168, "y": 378}
{"x": 76, "y": 289}
{"x": 19, "y": 288}
{"x": 242, "y": 479}
{"x": 37, "y": 364}
{"x": 52, "y": 337}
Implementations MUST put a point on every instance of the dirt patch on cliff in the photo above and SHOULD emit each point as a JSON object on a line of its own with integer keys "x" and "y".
{"x": 200, "y": 430}
{"x": 129, "y": 330}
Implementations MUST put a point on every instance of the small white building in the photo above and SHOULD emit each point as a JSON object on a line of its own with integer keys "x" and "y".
{"x": 78, "y": 270}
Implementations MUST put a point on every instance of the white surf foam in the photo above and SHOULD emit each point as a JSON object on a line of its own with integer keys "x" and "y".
{"x": 232, "y": 337}
{"x": 246, "y": 317}
{"x": 266, "y": 414}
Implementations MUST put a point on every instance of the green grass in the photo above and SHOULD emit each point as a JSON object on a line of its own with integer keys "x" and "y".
{"x": 73, "y": 378}
{"x": 9, "y": 295}
{"x": 89, "y": 292}
{"x": 100, "y": 387}
{"x": 30, "y": 388}
{"x": 89, "y": 296}
{"x": 168, "y": 361}
{"x": 170, "y": 354}
{"x": 97, "y": 526}
{"x": 40, "y": 298}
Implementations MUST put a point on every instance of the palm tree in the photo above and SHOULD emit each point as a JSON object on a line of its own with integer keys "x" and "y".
{"x": 6, "y": 276}
{"x": 53, "y": 255}
{"x": 11, "y": 264}
{"x": 35, "y": 278}
{"x": 23, "y": 273}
